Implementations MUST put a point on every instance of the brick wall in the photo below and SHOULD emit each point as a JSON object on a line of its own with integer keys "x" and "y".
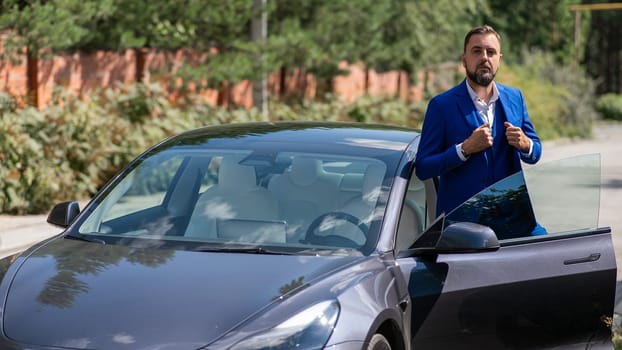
{"x": 81, "y": 72}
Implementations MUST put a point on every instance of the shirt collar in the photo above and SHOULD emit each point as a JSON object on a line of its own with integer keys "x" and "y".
{"x": 493, "y": 98}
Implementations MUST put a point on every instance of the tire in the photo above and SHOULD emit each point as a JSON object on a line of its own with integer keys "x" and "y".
{"x": 378, "y": 342}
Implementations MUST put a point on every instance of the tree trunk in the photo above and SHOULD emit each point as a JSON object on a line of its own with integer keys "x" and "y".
{"x": 398, "y": 90}
{"x": 32, "y": 73}
{"x": 366, "y": 83}
{"x": 223, "y": 95}
{"x": 141, "y": 59}
{"x": 282, "y": 83}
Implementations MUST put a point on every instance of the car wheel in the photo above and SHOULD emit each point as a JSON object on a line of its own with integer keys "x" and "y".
{"x": 379, "y": 342}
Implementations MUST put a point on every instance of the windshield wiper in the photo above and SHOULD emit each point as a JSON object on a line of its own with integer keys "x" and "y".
{"x": 85, "y": 238}
{"x": 246, "y": 250}
{"x": 322, "y": 251}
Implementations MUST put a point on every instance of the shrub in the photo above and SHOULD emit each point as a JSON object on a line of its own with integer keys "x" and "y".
{"x": 559, "y": 97}
{"x": 610, "y": 106}
{"x": 71, "y": 149}
{"x": 26, "y": 179}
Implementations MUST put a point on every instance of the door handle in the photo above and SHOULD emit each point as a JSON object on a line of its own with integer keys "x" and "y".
{"x": 591, "y": 258}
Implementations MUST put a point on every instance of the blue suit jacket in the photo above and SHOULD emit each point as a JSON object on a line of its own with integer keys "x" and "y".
{"x": 450, "y": 119}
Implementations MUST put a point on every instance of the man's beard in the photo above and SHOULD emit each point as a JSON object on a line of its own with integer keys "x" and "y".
{"x": 481, "y": 78}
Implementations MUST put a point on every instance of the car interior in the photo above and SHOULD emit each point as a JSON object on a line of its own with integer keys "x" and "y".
{"x": 294, "y": 198}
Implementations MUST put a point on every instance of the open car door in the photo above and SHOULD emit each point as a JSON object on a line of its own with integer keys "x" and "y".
{"x": 522, "y": 264}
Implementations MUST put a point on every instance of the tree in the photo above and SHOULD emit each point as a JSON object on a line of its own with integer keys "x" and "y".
{"x": 43, "y": 27}
{"x": 383, "y": 34}
{"x": 526, "y": 25}
{"x": 603, "y": 58}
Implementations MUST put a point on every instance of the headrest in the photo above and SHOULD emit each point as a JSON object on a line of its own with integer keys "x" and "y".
{"x": 233, "y": 175}
{"x": 304, "y": 171}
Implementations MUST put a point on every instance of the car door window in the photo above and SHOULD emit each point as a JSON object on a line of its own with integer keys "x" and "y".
{"x": 550, "y": 282}
{"x": 413, "y": 214}
{"x": 565, "y": 194}
{"x": 554, "y": 198}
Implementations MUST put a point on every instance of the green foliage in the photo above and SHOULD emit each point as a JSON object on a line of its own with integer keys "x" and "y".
{"x": 610, "y": 106}
{"x": 7, "y": 103}
{"x": 603, "y": 50}
{"x": 617, "y": 338}
{"x": 559, "y": 97}
{"x": 50, "y": 25}
{"x": 69, "y": 150}
{"x": 383, "y": 34}
{"x": 528, "y": 25}
{"x": 25, "y": 183}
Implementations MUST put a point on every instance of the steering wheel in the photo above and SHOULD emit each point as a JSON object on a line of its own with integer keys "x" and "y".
{"x": 334, "y": 240}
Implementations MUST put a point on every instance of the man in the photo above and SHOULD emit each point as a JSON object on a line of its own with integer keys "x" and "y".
{"x": 476, "y": 133}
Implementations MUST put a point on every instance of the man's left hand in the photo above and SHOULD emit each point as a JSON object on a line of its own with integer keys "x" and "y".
{"x": 516, "y": 137}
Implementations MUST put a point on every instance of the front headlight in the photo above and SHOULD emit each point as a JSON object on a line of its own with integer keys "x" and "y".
{"x": 309, "y": 329}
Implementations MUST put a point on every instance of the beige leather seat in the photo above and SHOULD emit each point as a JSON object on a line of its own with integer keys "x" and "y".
{"x": 363, "y": 206}
{"x": 235, "y": 198}
{"x": 304, "y": 192}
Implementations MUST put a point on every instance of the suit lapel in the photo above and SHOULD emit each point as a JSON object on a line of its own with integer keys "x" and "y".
{"x": 466, "y": 107}
{"x": 509, "y": 106}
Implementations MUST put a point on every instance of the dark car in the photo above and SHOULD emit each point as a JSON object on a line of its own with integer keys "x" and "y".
{"x": 315, "y": 236}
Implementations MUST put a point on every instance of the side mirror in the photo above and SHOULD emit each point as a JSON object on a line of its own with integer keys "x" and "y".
{"x": 465, "y": 237}
{"x": 63, "y": 214}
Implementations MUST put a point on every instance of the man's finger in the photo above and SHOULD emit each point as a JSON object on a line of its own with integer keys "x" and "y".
{"x": 484, "y": 126}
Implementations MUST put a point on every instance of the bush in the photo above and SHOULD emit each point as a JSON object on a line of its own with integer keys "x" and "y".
{"x": 71, "y": 149}
{"x": 559, "y": 98}
{"x": 610, "y": 106}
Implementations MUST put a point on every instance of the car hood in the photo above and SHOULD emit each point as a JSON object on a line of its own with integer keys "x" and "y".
{"x": 87, "y": 295}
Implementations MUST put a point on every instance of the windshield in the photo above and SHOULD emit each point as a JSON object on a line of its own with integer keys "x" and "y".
{"x": 557, "y": 197}
{"x": 239, "y": 199}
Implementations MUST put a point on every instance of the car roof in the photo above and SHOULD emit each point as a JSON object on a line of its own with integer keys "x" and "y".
{"x": 352, "y": 138}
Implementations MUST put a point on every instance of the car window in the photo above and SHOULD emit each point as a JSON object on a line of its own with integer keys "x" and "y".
{"x": 552, "y": 198}
{"x": 412, "y": 215}
{"x": 285, "y": 198}
{"x": 144, "y": 187}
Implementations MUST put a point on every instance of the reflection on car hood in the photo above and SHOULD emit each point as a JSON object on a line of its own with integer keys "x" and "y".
{"x": 85, "y": 295}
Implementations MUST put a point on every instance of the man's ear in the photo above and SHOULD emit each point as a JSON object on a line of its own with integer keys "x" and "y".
{"x": 463, "y": 60}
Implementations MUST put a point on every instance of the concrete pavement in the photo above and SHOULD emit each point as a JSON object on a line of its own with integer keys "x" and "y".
{"x": 19, "y": 232}
{"x": 606, "y": 141}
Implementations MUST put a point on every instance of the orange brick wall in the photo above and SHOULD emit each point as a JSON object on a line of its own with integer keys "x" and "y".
{"x": 81, "y": 72}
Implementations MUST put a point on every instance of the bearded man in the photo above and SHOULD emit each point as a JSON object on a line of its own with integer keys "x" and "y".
{"x": 476, "y": 133}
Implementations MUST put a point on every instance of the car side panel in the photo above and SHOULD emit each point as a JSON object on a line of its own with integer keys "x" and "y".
{"x": 537, "y": 294}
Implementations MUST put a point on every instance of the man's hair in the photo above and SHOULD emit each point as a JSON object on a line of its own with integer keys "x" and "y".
{"x": 485, "y": 29}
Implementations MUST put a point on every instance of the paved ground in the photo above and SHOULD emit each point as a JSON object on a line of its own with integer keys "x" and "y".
{"x": 607, "y": 141}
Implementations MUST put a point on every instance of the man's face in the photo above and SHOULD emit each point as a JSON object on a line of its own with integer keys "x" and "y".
{"x": 481, "y": 58}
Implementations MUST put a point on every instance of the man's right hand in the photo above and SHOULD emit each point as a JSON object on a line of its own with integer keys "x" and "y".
{"x": 480, "y": 139}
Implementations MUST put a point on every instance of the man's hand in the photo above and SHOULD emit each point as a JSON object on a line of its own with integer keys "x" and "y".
{"x": 480, "y": 139}
{"x": 516, "y": 137}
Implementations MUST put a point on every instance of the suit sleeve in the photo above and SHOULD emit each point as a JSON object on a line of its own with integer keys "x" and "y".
{"x": 530, "y": 132}
{"x": 434, "y": 155}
